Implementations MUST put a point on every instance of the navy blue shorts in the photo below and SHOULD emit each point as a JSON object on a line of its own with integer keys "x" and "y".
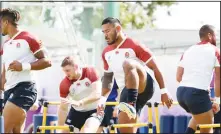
{"x": 193, "y": 100}
{"x": 78, "y": 118}
{"x": 142, "y": 97}
{"x": 24, "y": 95}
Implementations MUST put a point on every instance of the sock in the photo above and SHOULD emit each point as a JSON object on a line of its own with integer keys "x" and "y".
{"x": 132, "y": 96}
{"x": 190, "y": 131}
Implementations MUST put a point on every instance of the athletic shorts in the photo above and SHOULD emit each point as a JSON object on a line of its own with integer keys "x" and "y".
{"x": 24, "y": 95}
{"x": 193, "y": 100}
{"x": 78, "y": 118}
{"x": 142, "y": 97}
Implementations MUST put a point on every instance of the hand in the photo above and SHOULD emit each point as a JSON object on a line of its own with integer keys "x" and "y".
{"x": 15, "y": 66}
{"x": 166, "y": 99}
{"x": 100, "y": 110}
{"x": 34, "y": 107}
{"x": 72, "y": 102}
{"x": 215, "y": 108}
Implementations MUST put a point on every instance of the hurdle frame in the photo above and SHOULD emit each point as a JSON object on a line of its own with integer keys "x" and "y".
{"x": 43, "y": 128}
{"x": 200, "y": 126}
{"x": 148, "y": 124}
{"x": 156, "y": 110}
{"x": 112, "y": 127}
{"x": 45, "y": 109}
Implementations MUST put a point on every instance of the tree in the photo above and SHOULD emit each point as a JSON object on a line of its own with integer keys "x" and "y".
{"x": 135, "y": 15}
{"x": 140, "y": 14}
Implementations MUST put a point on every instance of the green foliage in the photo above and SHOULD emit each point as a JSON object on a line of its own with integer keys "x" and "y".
{"x": 140, "y": 14}
{"x": 135, "y": 15}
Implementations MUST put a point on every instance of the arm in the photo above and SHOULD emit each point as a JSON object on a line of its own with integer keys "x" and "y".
{"x": 144, "y": 54}
{"x": 217, "y": 75}
{"x": 40, "y": 53}
{"x": 180, "y": 70}
{"x": 63, "y": 108}
{"x": 179, "y": 74}
{"x": 217, "y": 81}
{"x": 153, "y": 66}
{"x": 107, "y": 84}
{"x": 62, "y": 113}
{"x": 95, "y": 95}
{"x": 42, "y": 62}
{"x": 3, "y": 80}
{"x": 107, "y": 81}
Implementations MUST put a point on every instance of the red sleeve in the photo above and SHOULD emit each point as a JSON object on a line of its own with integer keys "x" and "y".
{"x": 34, "y": 44}
{"x": 106, "y": 67}
{"x": 1, "y": 52}
{"x": 181, "y": 58}
{"x": 92, "y": 75}
{"x": 64, "y": 87}
{"x": 143, "y": 52}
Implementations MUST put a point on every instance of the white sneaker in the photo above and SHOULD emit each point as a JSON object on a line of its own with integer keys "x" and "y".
{"x": 128, "y": 109}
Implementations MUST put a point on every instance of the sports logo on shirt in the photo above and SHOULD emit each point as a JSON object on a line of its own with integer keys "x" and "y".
{"x": 127, "y": 55}
{"x": 87, "y": 84}
{"x": 78, "y": 84}
{"x": 18, "y": 45}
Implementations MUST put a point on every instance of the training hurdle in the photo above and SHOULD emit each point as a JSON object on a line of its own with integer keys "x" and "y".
{"x": 148, "y": 124}
{"x": 156, "y": 110}
{"x": 45, "y": 109}
{"x": 43, "y": 128}
{"x": 206, "y": 126}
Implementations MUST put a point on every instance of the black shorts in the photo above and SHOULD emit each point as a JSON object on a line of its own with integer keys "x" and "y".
{"x": 142, "y": 97}
{"x": 107, "y": 116}
{"x": 217, "y": 116}
{"x": 193, "y": 100}
{"x": 78, "y": 118}
{"x": 24, "y": 95}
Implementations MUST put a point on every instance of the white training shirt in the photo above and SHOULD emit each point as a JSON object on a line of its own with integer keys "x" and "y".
{"x": 81, "y": 88}
{"x": 113, "y": 59}
{"x": 22, "y": 48}
{"x": 198, "y": 62}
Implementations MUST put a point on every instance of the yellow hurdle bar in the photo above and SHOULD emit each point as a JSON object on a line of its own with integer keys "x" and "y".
{"x": 54, "y": 103}
{"x": 174, "y": 103}
{"x": 209, "y": 125}
{"x": 111, "y": 103}
{"x": 156, "y": 110}
{"x": 70, "y": 128}
{"x": 54, "y": 127}
{"x": 45, "y": 109}
{"x": 130, "y": 125}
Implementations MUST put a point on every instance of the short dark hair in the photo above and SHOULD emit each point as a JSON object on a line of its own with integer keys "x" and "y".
{"x": 110, "y": 20}
{"x": 67, "y": 61}
{"x": 205, "y": 29}
{"x": 13, "y": 16}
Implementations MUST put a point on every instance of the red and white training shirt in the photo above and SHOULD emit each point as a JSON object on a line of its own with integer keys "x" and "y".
{"x": 79, "y": 89}
{"x": 198, "y": 62}
{"x": 22, "y": 48}
{"x": 113, "y": 58}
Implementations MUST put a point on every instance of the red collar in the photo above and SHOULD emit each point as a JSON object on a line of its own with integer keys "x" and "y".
{"x": 203, "y": 42}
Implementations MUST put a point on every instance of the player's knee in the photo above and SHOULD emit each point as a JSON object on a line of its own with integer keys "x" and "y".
{"x": 127, "y": 66}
